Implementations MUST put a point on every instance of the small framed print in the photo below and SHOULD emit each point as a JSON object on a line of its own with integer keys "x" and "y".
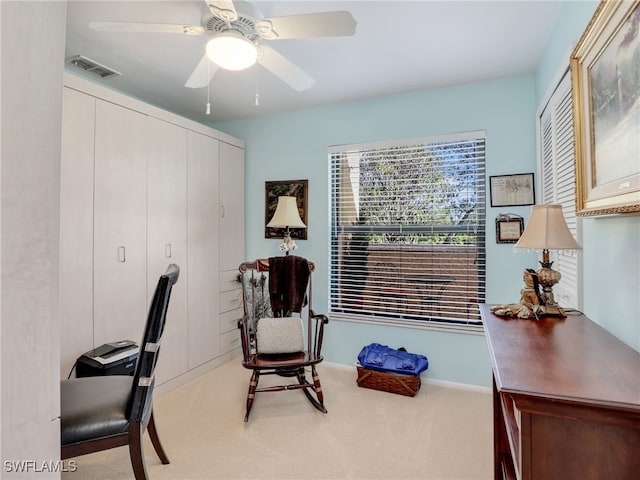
{"x": 509, "y": 228}
{"x": 512, "y": 190}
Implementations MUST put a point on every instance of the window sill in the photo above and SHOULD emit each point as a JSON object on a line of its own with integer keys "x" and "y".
{"x": 440, "y": 326}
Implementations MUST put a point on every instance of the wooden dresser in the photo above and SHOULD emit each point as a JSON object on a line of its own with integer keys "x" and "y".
{"x": 566, "y": 400}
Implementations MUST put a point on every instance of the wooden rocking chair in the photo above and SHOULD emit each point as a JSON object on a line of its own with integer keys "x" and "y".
{"x": 276, "y": 295}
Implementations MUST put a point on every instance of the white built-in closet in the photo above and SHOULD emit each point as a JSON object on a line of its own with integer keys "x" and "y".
{"x": 142, "y": 188}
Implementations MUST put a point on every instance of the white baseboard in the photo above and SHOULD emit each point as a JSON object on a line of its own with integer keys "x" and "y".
{"x": 206, "y": 367}
{"x": 459, "y": 386}
{"x": 195, "y": 372}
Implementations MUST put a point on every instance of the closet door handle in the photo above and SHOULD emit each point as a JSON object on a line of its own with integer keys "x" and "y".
{"x": 222, "y": 210}
{"x": 122, "y": 255}
{"x": 167, "y": 250}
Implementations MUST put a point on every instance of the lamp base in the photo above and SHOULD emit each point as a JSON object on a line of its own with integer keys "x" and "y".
{"x": 548, "y": 278}
{"x": 553, "y": 311}
{"x": 288, "y": 244}
{"x": 533, "y": 304}
{"x": 519, "y": 310}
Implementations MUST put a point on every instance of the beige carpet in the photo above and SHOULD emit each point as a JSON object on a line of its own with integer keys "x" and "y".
{"x": 441, "y": 433}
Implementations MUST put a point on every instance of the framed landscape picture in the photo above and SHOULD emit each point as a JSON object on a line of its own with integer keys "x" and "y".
{"x": 605, "y": 72}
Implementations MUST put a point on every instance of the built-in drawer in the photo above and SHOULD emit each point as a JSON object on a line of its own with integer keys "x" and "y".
{"x": 231, "y": 300}
{"x": 229, "y": 341}
{"x": 228, "y": 280}
{"x": 229, "y": 320}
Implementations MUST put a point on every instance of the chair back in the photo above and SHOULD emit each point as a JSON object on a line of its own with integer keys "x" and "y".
{"x": 275, "y": 287}
{"x": 143, "y": 380}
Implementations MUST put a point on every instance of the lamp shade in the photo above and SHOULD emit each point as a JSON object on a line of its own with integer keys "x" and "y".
{"x": 231, "y": 51}
{"x": 286, "y": 214}
{"x": 547, "y": 229}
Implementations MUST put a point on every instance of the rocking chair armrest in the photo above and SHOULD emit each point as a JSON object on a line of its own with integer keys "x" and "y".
{"x": 319, "y": 316}
{"x": 321, "y": 321}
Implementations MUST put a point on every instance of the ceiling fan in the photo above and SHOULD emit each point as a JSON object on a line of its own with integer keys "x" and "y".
{"x": 236, "y": 31}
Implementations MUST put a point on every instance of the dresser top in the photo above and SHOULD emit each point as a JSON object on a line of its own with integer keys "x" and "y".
{"x": 570, "y": 358}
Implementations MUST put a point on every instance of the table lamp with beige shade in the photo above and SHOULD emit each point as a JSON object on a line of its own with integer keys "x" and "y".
{"x": 287, "y": 216}
{"x": 547, "y": 230}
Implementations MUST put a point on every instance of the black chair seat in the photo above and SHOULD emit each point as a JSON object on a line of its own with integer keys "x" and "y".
{"x": 99, "y": 413}
{"x": 94, "y": 407}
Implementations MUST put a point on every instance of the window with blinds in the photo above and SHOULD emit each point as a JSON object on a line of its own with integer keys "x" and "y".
{"x": 559, "y": 183}
{"x": 408, "y": 230}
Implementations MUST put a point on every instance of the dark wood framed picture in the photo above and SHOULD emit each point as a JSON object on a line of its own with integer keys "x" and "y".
{"x": 289, "y": 188}
{"x": 512, "y": 190}
{"x": 509, "y": 228}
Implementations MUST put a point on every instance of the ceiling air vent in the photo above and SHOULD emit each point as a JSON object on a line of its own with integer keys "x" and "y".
{"x": 90, "y": 66}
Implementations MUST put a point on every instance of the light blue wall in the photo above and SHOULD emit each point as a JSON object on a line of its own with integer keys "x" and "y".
{"x": 294, "y": 146}
{"x": 572, "y": 21}
{"x": 611, "y": 245}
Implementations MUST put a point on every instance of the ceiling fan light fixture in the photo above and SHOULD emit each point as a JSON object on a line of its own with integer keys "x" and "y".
{"x": 232, "y": 51}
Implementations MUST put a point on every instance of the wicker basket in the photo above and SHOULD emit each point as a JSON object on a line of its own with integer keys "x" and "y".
{"x": 389, "y": 382}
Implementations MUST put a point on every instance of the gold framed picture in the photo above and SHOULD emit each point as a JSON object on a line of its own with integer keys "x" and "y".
{"x": 605, "y": 73}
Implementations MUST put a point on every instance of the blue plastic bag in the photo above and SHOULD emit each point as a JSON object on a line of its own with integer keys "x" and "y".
{"x": 385, "y": 359}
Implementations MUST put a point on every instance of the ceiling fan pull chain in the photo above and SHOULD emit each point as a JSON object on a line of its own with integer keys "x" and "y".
{"x": 256, "y": 102}
{"x": 208, "y": 111}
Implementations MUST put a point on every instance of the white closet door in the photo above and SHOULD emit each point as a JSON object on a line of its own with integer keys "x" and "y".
{"x": 167, "y": 236}
{"x": 120, "y": 253}
{"x": 76, "y": 228}
{"x": 231, "y": 245}
{"x": 203, "y": 265}
{"x": 231, "y": 206}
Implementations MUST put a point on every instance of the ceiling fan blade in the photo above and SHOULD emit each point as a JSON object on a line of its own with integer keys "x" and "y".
{"x": 284, "y": 69}
{"x": 202, "y": 74}
{"x": 324, "y": 24}
{"x": 147, "y": 27}
{"x": 223, "y": 9}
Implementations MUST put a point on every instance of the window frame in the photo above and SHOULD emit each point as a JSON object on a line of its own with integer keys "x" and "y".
{"x": 479, "y": 247}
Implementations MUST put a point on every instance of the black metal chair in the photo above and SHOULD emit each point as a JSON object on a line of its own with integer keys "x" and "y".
{"x": 277, "y": 292}
{"x": 99, "y": 413}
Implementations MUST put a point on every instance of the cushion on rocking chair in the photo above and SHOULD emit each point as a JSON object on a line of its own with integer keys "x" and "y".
{"x": 280, "y": 335}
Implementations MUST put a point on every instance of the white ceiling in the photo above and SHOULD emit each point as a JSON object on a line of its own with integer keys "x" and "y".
{"x": 398, "y": 47}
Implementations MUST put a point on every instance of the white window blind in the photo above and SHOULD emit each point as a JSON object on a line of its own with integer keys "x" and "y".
{"x": 558, "y": 183}
{"x": 408, "y": 230}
